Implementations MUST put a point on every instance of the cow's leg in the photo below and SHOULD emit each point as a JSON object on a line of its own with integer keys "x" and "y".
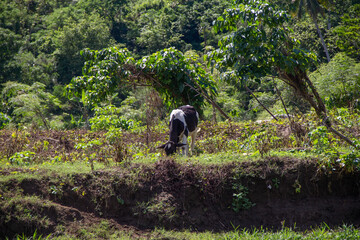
{"x": 193, "y": 139}
{"x": 185, "y": 148}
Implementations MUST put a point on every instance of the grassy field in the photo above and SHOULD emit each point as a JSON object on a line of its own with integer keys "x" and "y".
{"x": 83, "y": 184}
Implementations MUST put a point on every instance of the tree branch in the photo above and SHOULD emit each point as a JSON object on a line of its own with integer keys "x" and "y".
{"x": 247, "y": 89}
{"x": 206, "y": 96}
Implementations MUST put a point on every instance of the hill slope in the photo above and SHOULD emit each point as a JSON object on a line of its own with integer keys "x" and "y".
{"x": 271, "y": 193}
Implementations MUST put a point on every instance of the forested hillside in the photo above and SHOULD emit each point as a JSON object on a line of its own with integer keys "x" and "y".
{"x": 41, "y": 41}
{"x": 86, "y": 90}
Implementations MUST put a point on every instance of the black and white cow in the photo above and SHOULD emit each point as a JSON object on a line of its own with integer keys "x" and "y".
{"x": 183, "y": 122}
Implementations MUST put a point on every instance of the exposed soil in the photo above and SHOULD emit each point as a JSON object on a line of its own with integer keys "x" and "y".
{"x": 283, "y": 191}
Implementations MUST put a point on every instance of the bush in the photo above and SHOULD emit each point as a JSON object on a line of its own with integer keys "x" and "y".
{"x": 338, "y": 82}
{"x": 22, "y": 158}
{"x": 4, "y": 120}
{"x": 109, "y": 116}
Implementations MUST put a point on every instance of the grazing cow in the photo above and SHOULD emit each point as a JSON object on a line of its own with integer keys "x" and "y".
{"x": 183, "y": 122}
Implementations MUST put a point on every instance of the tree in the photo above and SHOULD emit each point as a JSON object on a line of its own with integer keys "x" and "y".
{"x": 258, "y": 45}
{"x": 348, "y": 32}
{"x": 29, "y": 103}
{"x": 314, "y": 8}
{"x": 338, "y": 81}
{"x": 157, "y": 31}
{"x": 9, "y": 46}
{"x": 178, "y": 79}
{"x": 89, "y": 31}
{"x": 29, "y": 69}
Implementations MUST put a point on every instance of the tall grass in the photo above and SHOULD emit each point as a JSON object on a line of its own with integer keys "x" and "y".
{"x": 321, "y": 233}
{"x": 102, "y": 231}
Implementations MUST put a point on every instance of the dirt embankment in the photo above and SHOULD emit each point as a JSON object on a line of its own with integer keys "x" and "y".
{"x": 271, "y": 193}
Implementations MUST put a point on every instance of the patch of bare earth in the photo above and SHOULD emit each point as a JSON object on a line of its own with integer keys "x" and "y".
{"x": 282, "y": 191}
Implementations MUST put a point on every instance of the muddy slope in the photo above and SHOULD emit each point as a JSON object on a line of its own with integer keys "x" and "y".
{"x": 271, "y": 193}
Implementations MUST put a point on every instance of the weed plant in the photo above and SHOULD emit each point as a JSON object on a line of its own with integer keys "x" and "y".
{"x": 216, "y": 144}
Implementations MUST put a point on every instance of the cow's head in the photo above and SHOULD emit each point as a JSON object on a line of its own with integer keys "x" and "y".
{"x": 170, "y": 147}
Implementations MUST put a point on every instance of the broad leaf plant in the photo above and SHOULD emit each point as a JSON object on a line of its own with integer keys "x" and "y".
{"x": 257, "y": 43}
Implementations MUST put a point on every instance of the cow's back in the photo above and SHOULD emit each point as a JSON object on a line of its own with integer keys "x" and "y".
{"x": 191, "y": 117}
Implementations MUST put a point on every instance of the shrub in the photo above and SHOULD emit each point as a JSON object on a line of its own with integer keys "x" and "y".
{"x": 22, "y": 158}
{"x": 338, "y": 82}
{"x": 240, "y": 198}
{"x": 109, "y": 116}
{"x": 4, "y": 120}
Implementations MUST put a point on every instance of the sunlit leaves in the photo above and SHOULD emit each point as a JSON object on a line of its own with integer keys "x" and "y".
{"x": 169, "y": 71}
{"x": 102, "y": 73}
{"x": 258, "y": 43}
{"x": 175, "y": 76}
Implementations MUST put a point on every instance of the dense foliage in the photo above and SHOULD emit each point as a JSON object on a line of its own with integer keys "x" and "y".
{"x": 177, "y": 78}
{"x": 41, "y": 42}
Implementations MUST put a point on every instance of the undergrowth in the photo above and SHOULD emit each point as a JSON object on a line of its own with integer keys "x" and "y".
{"x": 216, "y": 144}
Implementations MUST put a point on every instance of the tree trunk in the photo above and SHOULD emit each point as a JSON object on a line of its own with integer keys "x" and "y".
{"x": 214, "y": 114}
{"x": 43, "y": 119}
{"x": 302, "y": 84}
{"x": 322, "y": 41}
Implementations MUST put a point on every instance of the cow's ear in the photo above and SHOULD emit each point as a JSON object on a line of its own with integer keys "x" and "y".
{"x": 162, "y": 146}
{"x": 180, "y": 144}
{"x": 166, "y": 145}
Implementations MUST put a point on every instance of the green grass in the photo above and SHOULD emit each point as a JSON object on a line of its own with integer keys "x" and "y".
{"x": 26, "y": 209}
{"x": 230, "y": 156}
{"x": 345, "y": 232}
{"x": 218, "y": 158}
{"x": 47, "y": 168}
{"x": 104, "y": 231}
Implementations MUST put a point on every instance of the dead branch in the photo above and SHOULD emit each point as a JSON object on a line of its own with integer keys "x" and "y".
{"x": 206, "y": 96}
{"x": 247, "y": 89}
